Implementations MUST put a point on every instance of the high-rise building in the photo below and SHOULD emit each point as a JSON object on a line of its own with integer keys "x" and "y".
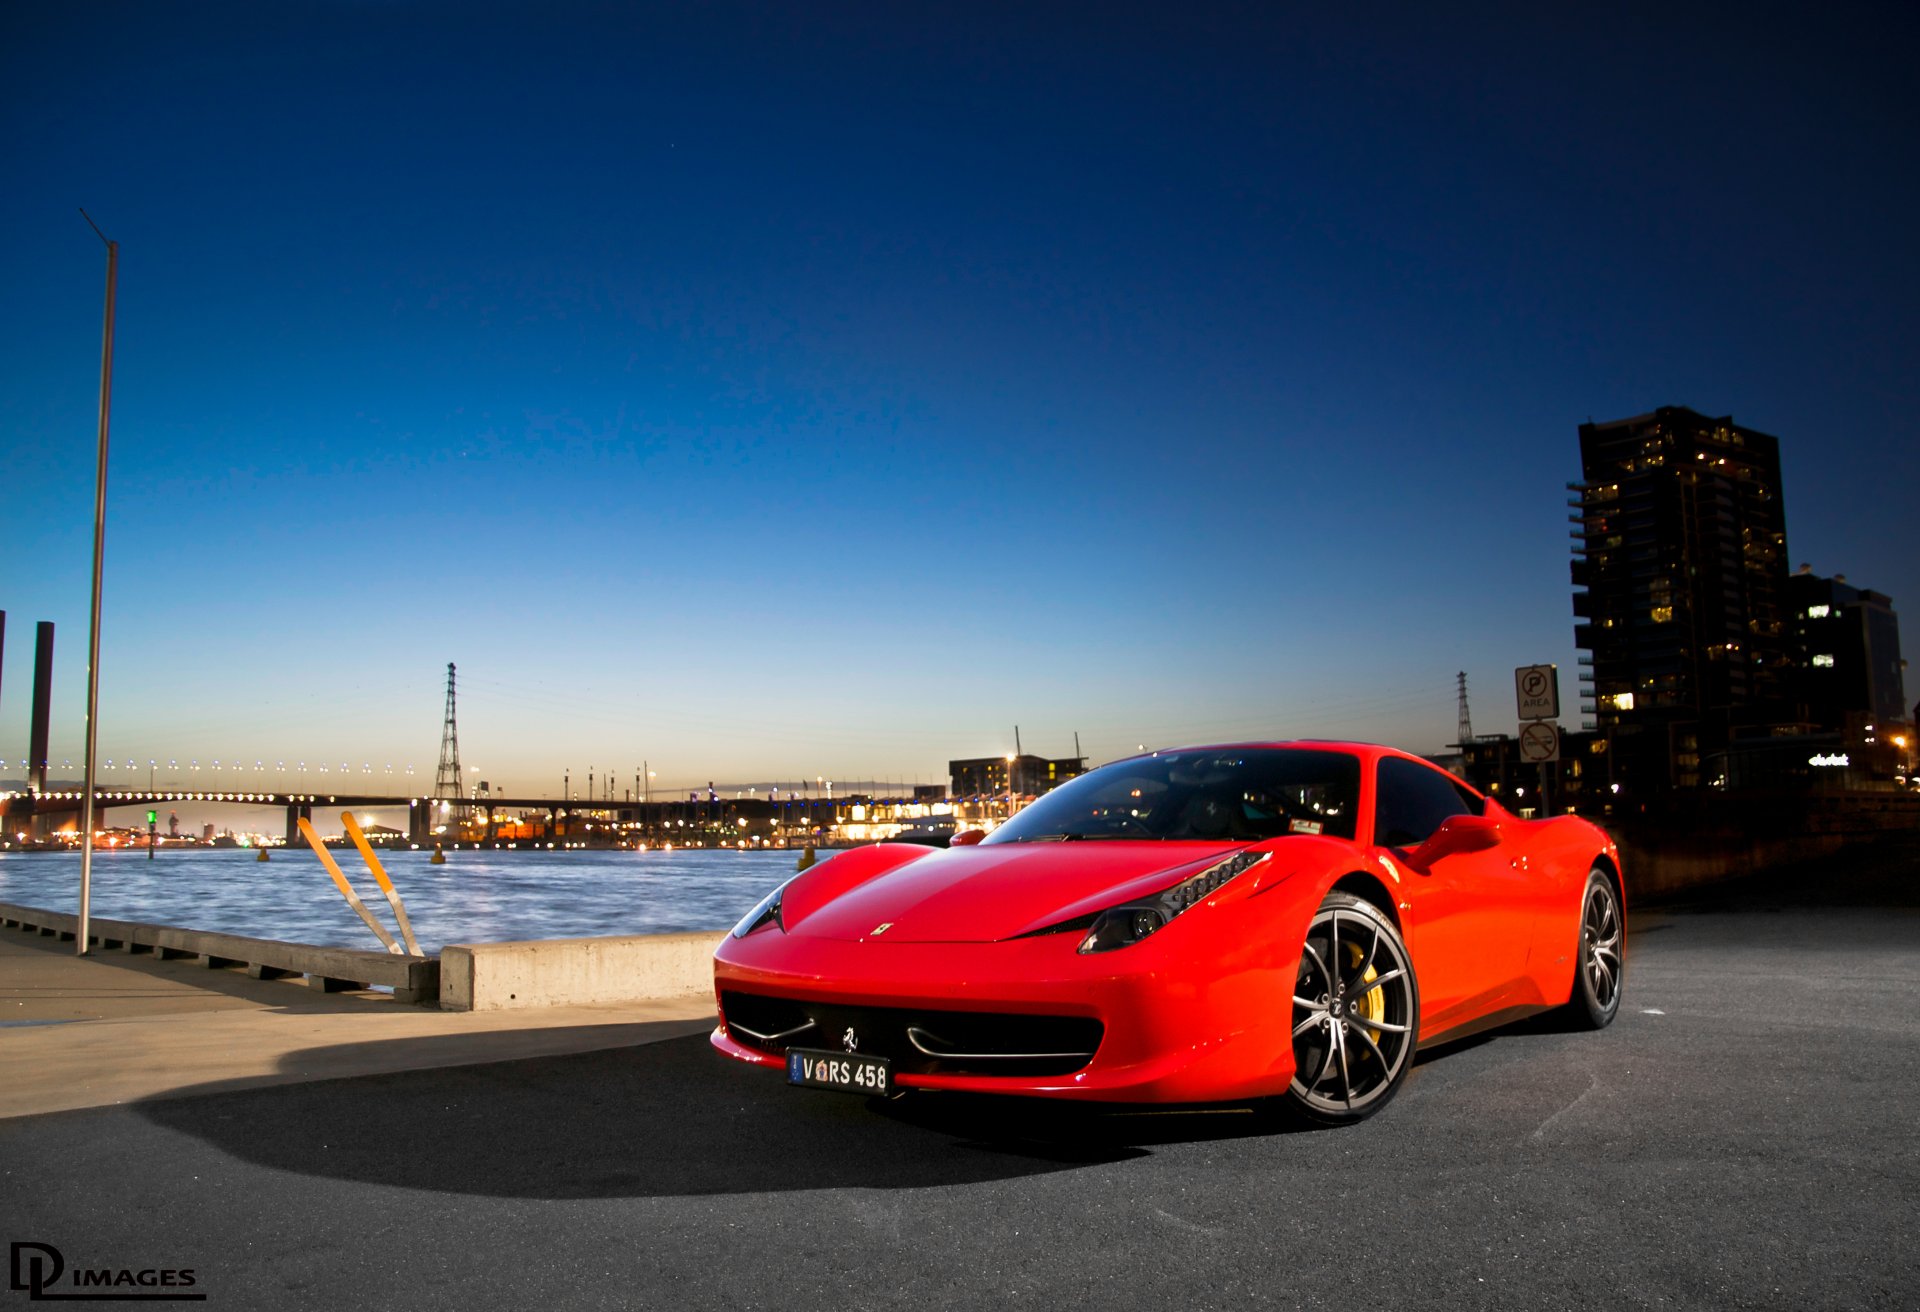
{"x": 1680, "y": 546}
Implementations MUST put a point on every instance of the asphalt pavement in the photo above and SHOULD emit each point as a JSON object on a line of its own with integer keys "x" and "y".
{"x": 1743, "y": 1136}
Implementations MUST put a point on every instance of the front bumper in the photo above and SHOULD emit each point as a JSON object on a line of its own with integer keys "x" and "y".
{"x": 1193, "y": 1014}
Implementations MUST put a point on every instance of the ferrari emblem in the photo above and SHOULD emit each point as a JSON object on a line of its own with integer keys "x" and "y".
{"x": 882, "y": 927}
{"x": 850, "y": 1041}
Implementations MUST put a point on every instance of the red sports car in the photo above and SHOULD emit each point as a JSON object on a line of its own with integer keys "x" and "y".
{"x": 1283, "y": 922}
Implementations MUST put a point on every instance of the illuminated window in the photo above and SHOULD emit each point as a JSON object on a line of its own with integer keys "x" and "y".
{"x": 1819, "y": 612}
{"x": 1663, "y": 614}
{"x": 1823, "y": 662}
{"x": 1621, "y": 701}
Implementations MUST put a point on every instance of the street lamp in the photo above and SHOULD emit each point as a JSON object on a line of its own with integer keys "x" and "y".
{"x": 99, "y": 555}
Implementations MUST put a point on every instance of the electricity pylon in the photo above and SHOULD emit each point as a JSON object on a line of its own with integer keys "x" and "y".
{"x": 446, "y": 780}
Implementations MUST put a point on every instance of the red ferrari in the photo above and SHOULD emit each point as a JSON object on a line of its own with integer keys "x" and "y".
{"x": 1279, "y": 922}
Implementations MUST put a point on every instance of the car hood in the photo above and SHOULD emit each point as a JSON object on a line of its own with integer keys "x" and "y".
{"x": 983, "y": 894}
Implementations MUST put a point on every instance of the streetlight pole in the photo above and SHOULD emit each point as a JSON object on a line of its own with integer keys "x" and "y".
{"x": 99, "y": 553}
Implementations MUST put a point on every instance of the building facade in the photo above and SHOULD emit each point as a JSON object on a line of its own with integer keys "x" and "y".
{"x": 1017, "y": 776}
{"x": 1680, "y": 603}
{"x": 1846, "y": 653}
{"x": 1580, "y": 782}
{"x": 1847, "y": 684}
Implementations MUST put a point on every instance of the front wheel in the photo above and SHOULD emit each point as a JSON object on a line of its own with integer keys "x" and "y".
{"x": 1602, "y": 968}
{"x": 1356, "y": 1014}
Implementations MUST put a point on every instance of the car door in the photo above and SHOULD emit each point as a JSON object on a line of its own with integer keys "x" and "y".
{"x": 1470, "y": 917}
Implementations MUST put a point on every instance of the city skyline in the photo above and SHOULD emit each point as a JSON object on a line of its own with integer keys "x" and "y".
{"x": 770, "y": 395}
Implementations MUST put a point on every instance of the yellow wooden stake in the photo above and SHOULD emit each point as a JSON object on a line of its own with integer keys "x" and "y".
{"x": 380, "y": 877}
{"x": 346, "y": 889}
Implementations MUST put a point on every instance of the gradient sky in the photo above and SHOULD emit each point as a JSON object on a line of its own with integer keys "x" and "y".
{"x": 775, "y": 391}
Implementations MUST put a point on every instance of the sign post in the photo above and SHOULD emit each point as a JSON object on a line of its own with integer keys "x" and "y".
{"x": 1536, "y": 692}
{"x": 153, "y": 829}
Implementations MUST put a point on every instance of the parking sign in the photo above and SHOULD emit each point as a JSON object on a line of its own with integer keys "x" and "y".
{"x": 1537, "y": 689}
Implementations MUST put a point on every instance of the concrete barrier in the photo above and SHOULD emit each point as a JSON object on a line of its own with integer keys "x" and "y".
{"x": 573, "y": 971}
{"x": 331, "y": 970}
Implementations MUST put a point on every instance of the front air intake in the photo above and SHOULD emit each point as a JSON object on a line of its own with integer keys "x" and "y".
{"x": 918, "y": 1040}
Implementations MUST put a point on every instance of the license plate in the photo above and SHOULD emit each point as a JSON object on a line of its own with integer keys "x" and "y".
{"x": 843, "y": 1072}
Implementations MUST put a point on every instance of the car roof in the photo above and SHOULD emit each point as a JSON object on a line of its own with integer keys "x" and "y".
{"x": 1367, "y": 751}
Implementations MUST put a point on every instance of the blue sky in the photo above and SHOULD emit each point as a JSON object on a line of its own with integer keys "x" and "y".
{"x": 772, "y": 392}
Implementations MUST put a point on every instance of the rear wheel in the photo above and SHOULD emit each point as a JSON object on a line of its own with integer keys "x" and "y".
{"x": 1356, "y": 1014}
{"x": 1601, "y": 970}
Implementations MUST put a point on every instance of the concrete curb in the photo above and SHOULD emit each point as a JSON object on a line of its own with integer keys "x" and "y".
{"x": 576, "y": 971}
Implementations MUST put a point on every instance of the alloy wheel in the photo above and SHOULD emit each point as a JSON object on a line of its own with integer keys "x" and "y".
{"x": 1600, "y": 945}
{"x": 1354, "y": 1012}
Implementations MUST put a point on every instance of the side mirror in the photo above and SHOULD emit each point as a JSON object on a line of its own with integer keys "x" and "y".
{"x": 1456, "y": 834}
{"x": 967, "y": 837}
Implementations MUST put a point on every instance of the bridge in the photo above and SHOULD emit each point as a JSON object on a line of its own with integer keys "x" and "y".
{"x": 490, "y": 818}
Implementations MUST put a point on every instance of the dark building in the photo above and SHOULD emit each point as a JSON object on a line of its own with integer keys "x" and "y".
{"x": 1680, "y": 570}
{"x": 1020, "y": 776}
{"x": 1580, "y": 782}
{"x": 1846, "y": 653}
{"x": 1847, "y": 688}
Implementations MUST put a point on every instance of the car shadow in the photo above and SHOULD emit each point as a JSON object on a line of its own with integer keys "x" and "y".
{"x": 1066, "y": 1131}
{"x": 663, "y": 1119}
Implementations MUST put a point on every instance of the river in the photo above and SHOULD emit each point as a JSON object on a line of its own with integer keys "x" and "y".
{"x": 476, "y": 897}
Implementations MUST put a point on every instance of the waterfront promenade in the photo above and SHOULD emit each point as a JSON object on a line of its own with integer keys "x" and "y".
{"x": 108, "y": 1028}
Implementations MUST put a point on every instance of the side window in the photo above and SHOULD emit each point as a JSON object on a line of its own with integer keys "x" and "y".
{"x": 1413, "y": 799}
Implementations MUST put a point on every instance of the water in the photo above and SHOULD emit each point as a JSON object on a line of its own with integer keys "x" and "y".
{"x": 476, "y": 897}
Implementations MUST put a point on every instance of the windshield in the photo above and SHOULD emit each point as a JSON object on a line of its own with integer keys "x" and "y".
{"x": 1234, "y": 794}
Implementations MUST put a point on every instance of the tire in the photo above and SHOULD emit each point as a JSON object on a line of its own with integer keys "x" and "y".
{"x": 1599, "y": 974}
{"x": 1352, "y": 1045}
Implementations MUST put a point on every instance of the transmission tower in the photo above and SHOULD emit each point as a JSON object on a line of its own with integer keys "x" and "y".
{"x": 446, "y": 781}
{"x": 1466, "y": 719}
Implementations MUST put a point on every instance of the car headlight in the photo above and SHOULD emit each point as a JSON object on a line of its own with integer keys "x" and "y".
{"x": 1122, "y": 926}
{"x": 766, "y": 911}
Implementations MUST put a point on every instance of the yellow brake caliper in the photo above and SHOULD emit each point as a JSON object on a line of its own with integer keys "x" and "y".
{"x": 1373, "y": 1006}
